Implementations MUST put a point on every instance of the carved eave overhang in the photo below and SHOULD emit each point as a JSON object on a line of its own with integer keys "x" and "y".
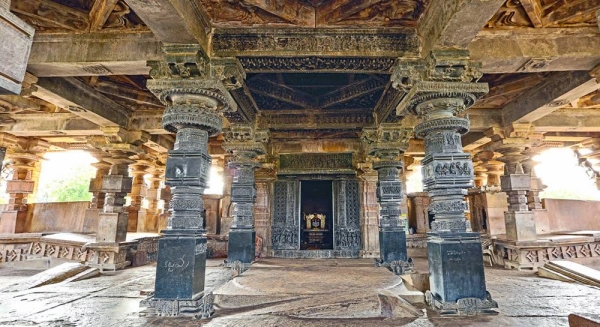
{"x": 379, "y": 42}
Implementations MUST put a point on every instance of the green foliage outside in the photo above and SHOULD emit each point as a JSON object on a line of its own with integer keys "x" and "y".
{"x": 66, "y": 185}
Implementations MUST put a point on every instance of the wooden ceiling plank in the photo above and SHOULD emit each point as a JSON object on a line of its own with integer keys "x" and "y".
{"x": 534, "y": 11}
{"x": 99, "y": 13}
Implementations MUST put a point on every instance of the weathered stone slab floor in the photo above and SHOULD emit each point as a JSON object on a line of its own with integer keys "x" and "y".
{"x": 113, "y": 299}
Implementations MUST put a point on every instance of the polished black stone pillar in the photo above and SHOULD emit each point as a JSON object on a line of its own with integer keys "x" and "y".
{"x": 438, "y": 89}
{"x": 194, "y": 102}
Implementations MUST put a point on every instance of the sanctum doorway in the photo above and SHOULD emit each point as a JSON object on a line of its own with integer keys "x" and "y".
{"x": 316, "y": 215}
{"x": 316, "y": 207}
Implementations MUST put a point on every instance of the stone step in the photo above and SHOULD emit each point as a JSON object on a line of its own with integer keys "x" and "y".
{"x": 575, "y": 271}
{"x": 50, "y": 276}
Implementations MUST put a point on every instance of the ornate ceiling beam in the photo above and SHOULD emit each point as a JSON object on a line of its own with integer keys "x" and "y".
{"x": 247, "y": 108}
{"x": 99, "y": 13}
{"x": 93, "y": 54}
{"x": 317, "y": 120}
{"x": 50, "y": 125}
{"x": 360, "y": 42}
{"x": 316, "y": 64}
{"x": 536, "y": 50}
{"x": 352, "y": 91}
{"x": 174, "y": 21}
{"x": 556, "y": 91}
{"x": 127, "y": 93}
{"x": 569, "y": 120}
{"x": 455, "y": 23}
{"x": 81, "y": 99}
{"x": 282, "y": 93}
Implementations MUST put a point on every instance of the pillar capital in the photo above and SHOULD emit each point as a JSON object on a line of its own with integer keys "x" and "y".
{"x": 385, "y": 142}
{"x": 245, "y": 143}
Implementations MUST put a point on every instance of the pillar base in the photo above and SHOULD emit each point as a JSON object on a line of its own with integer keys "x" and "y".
{"x": 520, "y": 226}
{"x": 392, "y": 245}
{"x": 464, "y": 306}
{"x": 181, "y": 265}
{"x": 200, "y": 307}
{"x": 456, "y": 273}
{"x": 242, "y": 245}
{"x": 107, "y": 256}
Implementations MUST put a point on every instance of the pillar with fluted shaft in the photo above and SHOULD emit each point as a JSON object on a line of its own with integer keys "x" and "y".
{"x": 245, "y": 144}
{"x": 438, "y": 89}
{"x": 194, "y": 99}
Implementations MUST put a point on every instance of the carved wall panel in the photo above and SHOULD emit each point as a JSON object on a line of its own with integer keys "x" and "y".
{"x": 285, "y": 232}
{"x": 347, "y": 215}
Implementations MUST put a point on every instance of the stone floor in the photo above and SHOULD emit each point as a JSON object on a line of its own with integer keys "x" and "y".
{"x": 279, "y": 292}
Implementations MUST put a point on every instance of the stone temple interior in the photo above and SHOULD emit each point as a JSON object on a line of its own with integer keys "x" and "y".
{"x": 315, "y": 112}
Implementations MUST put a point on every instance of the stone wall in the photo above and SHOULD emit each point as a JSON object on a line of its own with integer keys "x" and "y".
{"x": 56, "y": 217}
{"x": 569, "y": 215}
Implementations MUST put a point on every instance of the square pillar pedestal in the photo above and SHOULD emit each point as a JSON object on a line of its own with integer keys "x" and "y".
{"x": 112, "y": 227}
{"x": 179, "y": 288}
{"x": 520, "y": 226}
{"x": 456, "y": 275}
{"x": 392, "y": 245}
{"x": 242, "y": 246}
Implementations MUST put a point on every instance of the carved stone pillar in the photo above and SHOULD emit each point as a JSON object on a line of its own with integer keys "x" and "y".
{"x": 493, "y": 169}
{"x": 148, "y": 218}
{"x": 194, "y": 98}
{"x": 245, "y": 144}
{"x": 367, "y": 177}
{"x": 112, "y": 221}
{"x": 90, "y": 221}
{"x": 24, "y": 154}
{"x": 534, "y": 201}
{"x": 387, "y": 145}
{"x": 264, "y": 178}
{"x": 138, "y": 170}
{"x": 520, "y": 222}
{"x": 166, "y": 196}
{"x": 437, "y": 90}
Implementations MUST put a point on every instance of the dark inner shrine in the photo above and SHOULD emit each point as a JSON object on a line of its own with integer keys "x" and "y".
{"x": 316, "y": 218}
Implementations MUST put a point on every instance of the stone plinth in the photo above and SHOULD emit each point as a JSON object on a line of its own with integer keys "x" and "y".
{"x": 392, "y": 245}
{"x": 112, "y": 227}
{"x": 17, "y": 38}
{"x": 520, "y": 225}
{"x": 457, "y": 254}
{"x": 184, "y": 258}
{"x": 242, "y": 245}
